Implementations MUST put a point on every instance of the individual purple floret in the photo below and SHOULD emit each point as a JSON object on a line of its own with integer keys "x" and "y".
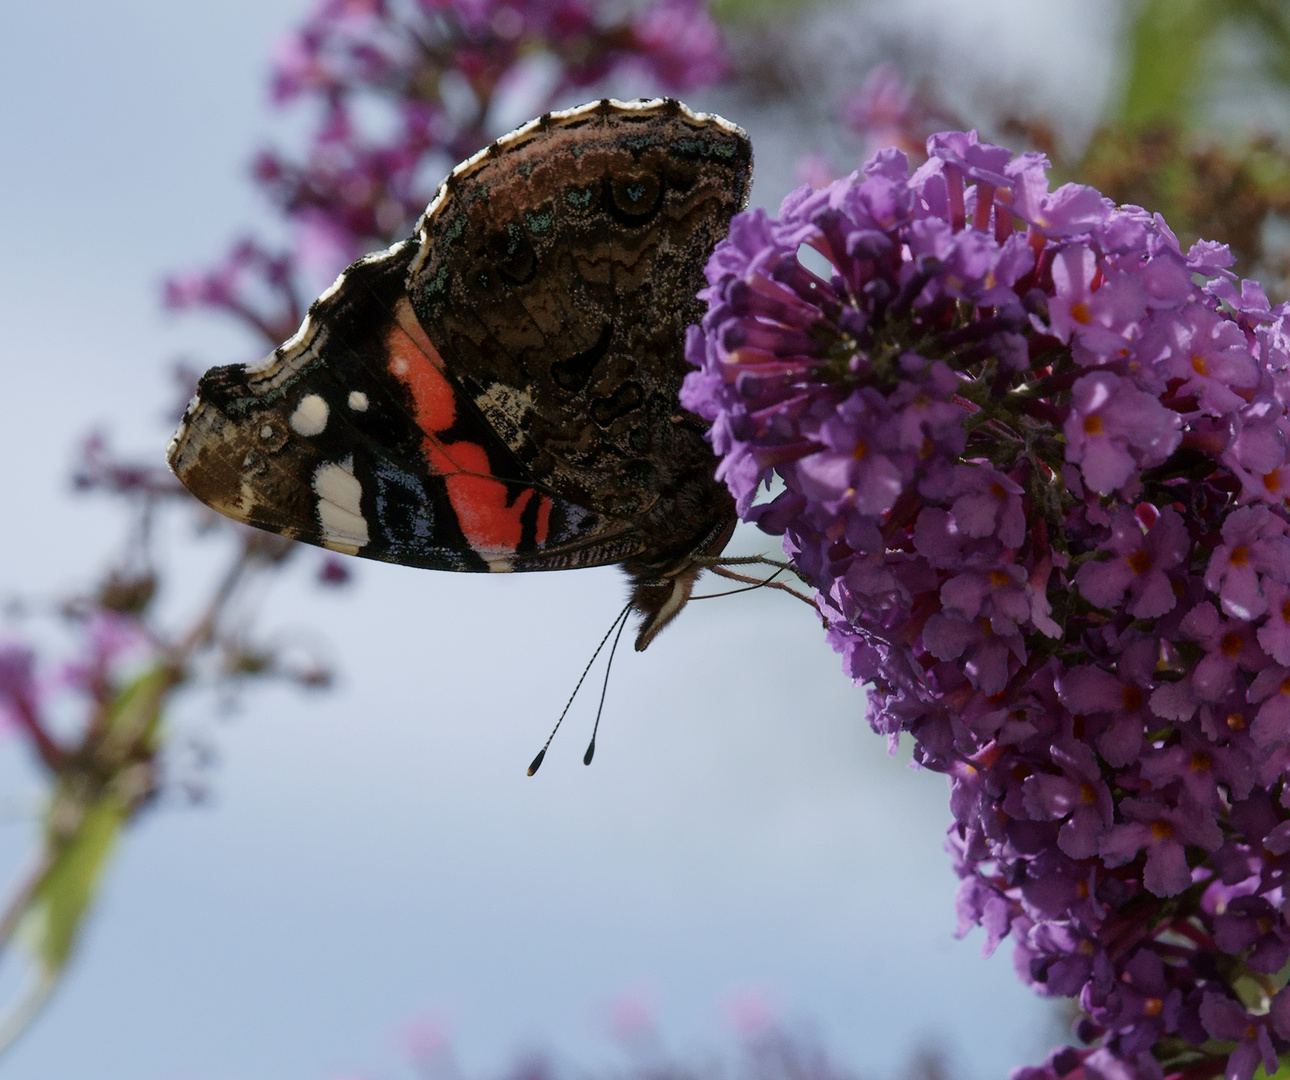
{"x": 1033, "y": 460}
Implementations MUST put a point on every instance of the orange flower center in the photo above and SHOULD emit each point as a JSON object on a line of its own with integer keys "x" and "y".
{"x": 1139, "y": 562}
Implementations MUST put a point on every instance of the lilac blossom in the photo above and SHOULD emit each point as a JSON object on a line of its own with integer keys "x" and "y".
{"x": 888, "y": 111}
{"x": 1033, "y": 459}
{"x": 17, "y": 685}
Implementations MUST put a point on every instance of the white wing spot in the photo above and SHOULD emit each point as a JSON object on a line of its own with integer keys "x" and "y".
{"x": 340, "y": 514}
{"x": 266, "y": 432}
{"x": 310, "y": 417}
{"x": 358, "y": 401}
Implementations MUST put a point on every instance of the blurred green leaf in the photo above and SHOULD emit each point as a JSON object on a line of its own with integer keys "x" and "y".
{"x": 1271, "y": 21}
{"x": 1166, "y": 59}
{"x": 135, "y": 714}
{"x": 758, "y": 10}
{"x": 1282, "y": 1073}
{"x": 95, "y": 797}
{"x": 58, "y": 907}
{"x": 1171, "y": 54}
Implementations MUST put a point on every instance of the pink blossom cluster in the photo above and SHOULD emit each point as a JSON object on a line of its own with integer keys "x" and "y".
{"x": 1033, "y": 459}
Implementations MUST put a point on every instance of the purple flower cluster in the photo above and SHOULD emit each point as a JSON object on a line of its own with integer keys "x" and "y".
{"x": 1033, "y": 459}
{"x": 404, "y": 89}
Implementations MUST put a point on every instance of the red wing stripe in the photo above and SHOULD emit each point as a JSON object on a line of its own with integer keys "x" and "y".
{"x": 416, "y": 363}
{"x": 490, "y": 522}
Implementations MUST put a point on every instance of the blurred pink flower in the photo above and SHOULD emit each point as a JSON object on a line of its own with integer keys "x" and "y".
{"x": 751, "y": 1012}
{"x": 632, "y": 1017}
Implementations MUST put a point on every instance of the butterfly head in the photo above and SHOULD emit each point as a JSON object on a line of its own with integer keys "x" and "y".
{"x": 659, "y": 595}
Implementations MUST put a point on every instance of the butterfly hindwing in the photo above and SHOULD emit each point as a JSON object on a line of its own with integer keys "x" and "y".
{"x": 561, "y": 270}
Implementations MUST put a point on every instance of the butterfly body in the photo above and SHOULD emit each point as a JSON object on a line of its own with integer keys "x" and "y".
{"x": 499, "y": 391}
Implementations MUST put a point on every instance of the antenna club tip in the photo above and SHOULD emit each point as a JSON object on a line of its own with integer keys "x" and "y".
{"x": 537, "y": 762}
{"x": 591, "y": 752}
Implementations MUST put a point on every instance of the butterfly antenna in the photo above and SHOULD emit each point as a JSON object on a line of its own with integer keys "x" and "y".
{"x": 591, "y": 746}
{"x": 620, "y": 618}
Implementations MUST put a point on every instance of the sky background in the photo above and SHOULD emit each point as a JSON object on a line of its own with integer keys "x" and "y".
{"x": 374, "y": 856}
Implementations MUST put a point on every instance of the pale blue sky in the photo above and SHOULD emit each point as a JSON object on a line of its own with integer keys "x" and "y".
{"x": 377, "y": 851}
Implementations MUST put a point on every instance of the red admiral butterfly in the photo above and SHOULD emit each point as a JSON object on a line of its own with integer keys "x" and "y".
{"x": 499, "y": 391}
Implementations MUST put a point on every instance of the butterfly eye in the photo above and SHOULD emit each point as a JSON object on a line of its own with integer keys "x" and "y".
{"x": 635, "y": 197}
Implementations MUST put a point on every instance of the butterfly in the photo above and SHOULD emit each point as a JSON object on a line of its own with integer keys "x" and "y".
{"x": 499, "y": 391}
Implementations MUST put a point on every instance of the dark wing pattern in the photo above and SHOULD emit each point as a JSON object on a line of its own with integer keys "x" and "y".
{"x": 349, "y": 436}
{"x": 560, "y": 269}
{"x": 499, "y": 392}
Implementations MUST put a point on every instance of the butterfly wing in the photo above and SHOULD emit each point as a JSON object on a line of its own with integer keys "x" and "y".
{"x": 499, "y": 392}
{"x": 559, "y": 269}
{"x": 350, "y": 436}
